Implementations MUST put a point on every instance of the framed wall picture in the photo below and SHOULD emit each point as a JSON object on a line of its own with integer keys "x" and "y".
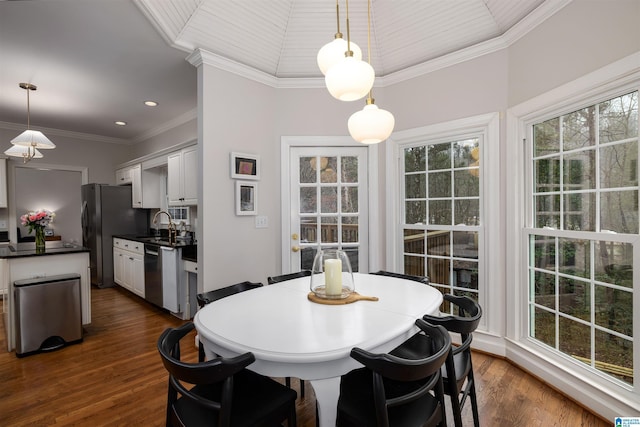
{"x": 245, "y": 166}
{"x": 246, "y": 198}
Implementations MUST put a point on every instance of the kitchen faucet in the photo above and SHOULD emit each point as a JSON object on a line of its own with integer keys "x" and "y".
{"x": 171, "y": 227}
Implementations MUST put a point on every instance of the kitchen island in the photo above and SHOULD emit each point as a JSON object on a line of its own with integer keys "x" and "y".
{"x": 21, "y": 261}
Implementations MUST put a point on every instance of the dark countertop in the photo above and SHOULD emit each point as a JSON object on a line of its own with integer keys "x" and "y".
{"x": 189, "y": 250}
{"x": 28, "y": 249}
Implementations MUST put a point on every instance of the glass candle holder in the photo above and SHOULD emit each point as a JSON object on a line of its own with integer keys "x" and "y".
{"x": 331, "y": 276}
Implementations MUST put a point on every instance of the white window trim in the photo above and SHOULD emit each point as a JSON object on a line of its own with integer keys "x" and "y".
{"x": 595, "y": 392}
{"x": 491, "y": 278}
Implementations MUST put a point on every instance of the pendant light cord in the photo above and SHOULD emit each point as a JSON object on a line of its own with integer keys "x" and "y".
{"x": 370, "y": 97}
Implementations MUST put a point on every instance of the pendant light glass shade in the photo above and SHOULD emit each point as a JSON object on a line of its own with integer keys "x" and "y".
{"x": 24, "y": 152}
{"x": 33, "y": 138}
{"x": 333, "y": 52}
{"x": 371, "y": 125}
{"x": 350, "y": 79}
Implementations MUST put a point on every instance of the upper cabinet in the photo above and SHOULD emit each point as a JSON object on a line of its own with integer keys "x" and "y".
{"x": 145, "y": 186}
{"x": 182, "y": 177}
{"x": 3, "y": 183}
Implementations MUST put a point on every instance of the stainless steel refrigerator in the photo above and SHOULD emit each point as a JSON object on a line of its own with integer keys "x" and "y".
{"x": 107, "y": 211}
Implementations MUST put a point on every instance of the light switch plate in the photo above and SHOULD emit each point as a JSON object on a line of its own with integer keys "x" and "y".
{"x": 3, "y": 224}
{"x": 262, "y": 221}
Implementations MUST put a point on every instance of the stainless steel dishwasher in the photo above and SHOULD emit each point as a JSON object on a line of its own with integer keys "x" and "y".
{"x": 161, "y": 281}
{"x": 153, "y": 274}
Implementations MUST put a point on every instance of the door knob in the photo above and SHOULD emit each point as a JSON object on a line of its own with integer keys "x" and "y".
{"x": 295, "y": 248}
{"x": 294, "y": 236}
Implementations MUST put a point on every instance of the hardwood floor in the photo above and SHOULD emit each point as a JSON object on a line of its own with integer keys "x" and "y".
{"x": 115, "y": 378}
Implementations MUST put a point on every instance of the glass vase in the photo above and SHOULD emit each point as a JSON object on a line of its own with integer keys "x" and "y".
{"x": 331, "y": 276}
{"x": 40, "y": 241}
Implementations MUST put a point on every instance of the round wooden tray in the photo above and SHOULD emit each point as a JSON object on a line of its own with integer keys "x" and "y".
{"x": 348, "y": 300}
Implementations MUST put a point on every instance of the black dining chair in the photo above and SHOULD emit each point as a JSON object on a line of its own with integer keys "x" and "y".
{"x": 277, "y": 279}
{"x": 208, "y": 297}
{"x": 421, "y": 279}
{"x": 396, "y": 391}
{"x": 458, "y": 379}
{"x": 221, "y": 392}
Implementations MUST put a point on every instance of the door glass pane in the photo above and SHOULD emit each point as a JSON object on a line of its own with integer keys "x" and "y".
{"x": 328, "y": 174}
{"x": 349, "y": 169}
{"x": 308, "y": 200}
{"x": 329, "y": 197}
{"x": 349, "y": 199}
{"x": 329, "y": 229}
{"x": 308, "y": 169}
{"x": 308, "y": 230}
{"x": 350, "y": 229}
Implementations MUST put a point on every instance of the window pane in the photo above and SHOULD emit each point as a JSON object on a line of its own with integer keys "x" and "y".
{"x": 614, "y": 263}
{"x": 618, "y": 165}
{"x": 308, "y": 200}
{"x": 575, "y": 257}
{"x": 414, "y": 241}
{"x": 467, "y": 212}
{"x": 575, "y": 338}
{"x": 440, "y": 156}
{"x": 438, "y": 243}
{"x": 546, "y": 137}
{"x": 465, "y": 184}
{"x": 575, "y": 298}
{"x": 416, "y": 212}
{"x": 349, "y": 229}
{"x": 414, "y": 265}
{"x": 613, "y": 309}
{"x": 465, "y": 274}
{"x": 544, "y": 252}
{"x": 349, "y": 169}
{"x": 328, "y": 174}
{"x": 545, "y": 289}
{"x": 578, "y": 130}
{"x": 579, "y": 212}
{"x": 616, "y": 355}
{"x": 308, "y": 169}
{"x": 544, "y": 326}
{"x": 619, "y": 211}
{"x": 350, "y": 199}
{"x": 415, "y": 159}
{"x": 579, "y": 170}
{"x": 438, "y": 271}
{"x": 547, "y": 175}
{"x": 464, "y": 154}
{"x": 547, "y": 211}
{"x": 440, "y": 184}
{"x": 619, "y": 118}
{"x": 415, "y": 186}
{"x": 440, "y": 212}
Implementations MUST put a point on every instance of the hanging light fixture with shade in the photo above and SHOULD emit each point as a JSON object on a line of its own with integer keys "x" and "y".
{"x": 333, "y": 52}
{"x": 370, "y": 125}
{"x": 27, "y": 143}
{"x": 349, "y": 79}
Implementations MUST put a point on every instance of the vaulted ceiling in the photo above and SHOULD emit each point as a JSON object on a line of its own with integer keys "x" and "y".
{"x": 95, "y": 62}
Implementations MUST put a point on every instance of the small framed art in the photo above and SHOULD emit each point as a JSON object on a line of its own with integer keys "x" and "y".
{"x": 246, "y": 198}
{"x": 245, "y": 166}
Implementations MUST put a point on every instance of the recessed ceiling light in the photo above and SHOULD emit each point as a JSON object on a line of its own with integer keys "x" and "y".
{"x": 151, "y": 103}
{"x": 121, "y": 123}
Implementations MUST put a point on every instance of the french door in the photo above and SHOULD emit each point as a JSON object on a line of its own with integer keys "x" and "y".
{"x": 328, "y": 205}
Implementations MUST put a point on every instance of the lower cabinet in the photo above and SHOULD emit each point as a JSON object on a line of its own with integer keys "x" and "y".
{"x": 128, "y": 265}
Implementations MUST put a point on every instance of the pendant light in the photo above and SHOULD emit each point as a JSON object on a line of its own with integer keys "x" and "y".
{"x": 349, "y": 79}
{"x": 30, "y": 140}
{"x": 332, "y": 52}
{"x": 370, "y": 125}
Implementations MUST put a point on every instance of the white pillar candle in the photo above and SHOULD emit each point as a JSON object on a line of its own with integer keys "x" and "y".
{"x": 333, "y": 276}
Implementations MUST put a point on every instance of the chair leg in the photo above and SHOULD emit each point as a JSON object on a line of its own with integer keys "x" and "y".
{"x": 201, "y": 355}
{"x": 453, "y": 392}
{"x": 287, "y": 381}
{"x": 474, "y": 400}
{"x": 302, "y": 388}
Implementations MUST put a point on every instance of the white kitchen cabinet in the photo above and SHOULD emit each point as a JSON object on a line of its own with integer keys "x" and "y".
{"x": 135, "y": 172}
{"x": 123, "y": 176}
{"x": 128, "y": 265}
{"x": 182, "y": 177}
{"x": 3, "y": 183}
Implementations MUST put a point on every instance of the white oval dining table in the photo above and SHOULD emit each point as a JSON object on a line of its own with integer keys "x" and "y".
{"x": 292, "y": 336}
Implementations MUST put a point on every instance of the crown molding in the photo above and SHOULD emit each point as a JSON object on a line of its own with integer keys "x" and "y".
{"x": 68, "y": 134}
